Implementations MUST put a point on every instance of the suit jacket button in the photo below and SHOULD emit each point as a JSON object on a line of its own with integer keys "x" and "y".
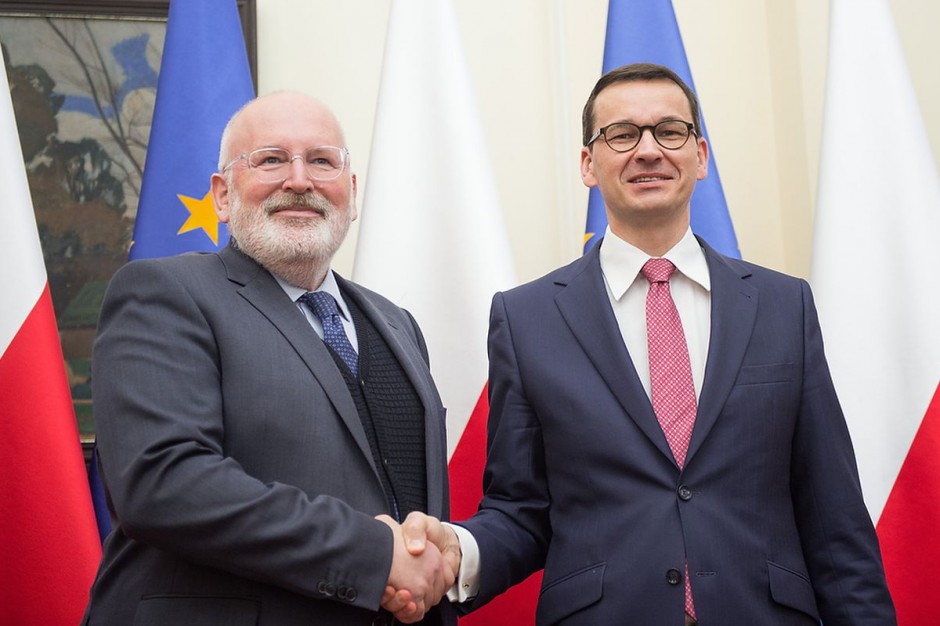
{"x": 685, "y": 494}
{"x": 326, "y": 588}
{"x": 673, "y": 577}
{"x": 347, "y": 593}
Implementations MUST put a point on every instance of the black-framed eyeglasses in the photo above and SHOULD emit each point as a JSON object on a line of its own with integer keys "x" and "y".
{"x": 272, "y": 165}
{"x": 625, "y": 136}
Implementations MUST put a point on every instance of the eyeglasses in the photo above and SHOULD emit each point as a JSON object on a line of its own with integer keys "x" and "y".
{"x": 272, "y": 165}
{"x": 625, "y": 136}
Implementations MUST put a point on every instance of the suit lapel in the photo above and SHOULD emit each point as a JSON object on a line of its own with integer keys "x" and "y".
{"x": 585, "y": 306}
{"x": 402, "y": 345}
{"x": 733, "y": 313}
{"x": 260, "y": 289}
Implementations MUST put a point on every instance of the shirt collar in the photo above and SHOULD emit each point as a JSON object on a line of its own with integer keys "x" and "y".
{"x": 621, "y": 262}
{"x": 328, "y": 285}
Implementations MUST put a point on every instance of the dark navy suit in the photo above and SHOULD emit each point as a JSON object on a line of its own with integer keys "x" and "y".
{"x": 579, "y": 480}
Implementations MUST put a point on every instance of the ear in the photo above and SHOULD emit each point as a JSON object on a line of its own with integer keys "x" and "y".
{"x": 220, "y": 197}
{"x": 353, "y": 189}
{"x": 702, "y": 153}
{"x": 587, "y": 167}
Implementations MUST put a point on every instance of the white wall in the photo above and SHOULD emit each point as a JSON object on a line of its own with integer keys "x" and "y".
{"x": 759, "y": 67}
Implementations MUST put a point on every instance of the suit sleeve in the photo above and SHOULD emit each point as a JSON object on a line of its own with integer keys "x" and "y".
{"x": 418, "y": 337}
{"x": 160, "y": 422}
{"x": 512, "y": 526}
{"x": 839, "y": 542}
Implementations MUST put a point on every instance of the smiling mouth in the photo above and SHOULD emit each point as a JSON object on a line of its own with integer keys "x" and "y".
{"x": 649, "y": 179}
{"x": 299, "y": 209}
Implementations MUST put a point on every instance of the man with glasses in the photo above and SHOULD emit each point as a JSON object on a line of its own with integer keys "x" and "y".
{"x": 664, "y": 437}
{"x": 256, "y": 412}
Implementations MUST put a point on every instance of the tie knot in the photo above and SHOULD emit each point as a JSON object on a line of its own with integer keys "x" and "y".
{"x": 321, "y": 303}
{"x": 658, "y": 270}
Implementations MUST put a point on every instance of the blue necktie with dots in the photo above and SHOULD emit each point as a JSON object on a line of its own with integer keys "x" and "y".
{"x": 324, "y": 307}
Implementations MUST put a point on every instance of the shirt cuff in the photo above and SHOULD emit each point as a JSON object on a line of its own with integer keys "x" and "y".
{"x": 468, "y": 577}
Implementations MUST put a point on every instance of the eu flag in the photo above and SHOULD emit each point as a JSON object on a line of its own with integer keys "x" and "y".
{"x": 646, "y": 31}
{"x": 204, "y": 80}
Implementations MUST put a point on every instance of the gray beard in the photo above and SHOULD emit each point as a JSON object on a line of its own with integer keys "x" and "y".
{"x": 297, "y": 249}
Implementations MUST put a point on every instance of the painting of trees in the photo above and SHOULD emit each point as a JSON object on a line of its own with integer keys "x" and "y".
{"x": 83, "y": 91}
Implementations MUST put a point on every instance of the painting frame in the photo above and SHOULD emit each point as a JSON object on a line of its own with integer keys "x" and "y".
{"x": 124, "y": 9}
{"x": 129, "y": 11}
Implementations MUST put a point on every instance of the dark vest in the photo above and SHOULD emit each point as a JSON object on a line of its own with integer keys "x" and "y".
{"x": 392, "y": 416}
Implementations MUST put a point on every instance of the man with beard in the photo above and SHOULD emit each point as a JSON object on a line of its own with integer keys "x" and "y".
{"x": 256, "y": 412}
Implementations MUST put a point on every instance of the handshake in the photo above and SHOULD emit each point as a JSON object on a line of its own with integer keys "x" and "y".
{"x": 425, "y": 563}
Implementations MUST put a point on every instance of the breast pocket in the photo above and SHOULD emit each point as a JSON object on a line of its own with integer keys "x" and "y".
{"x": 766, "y": 374}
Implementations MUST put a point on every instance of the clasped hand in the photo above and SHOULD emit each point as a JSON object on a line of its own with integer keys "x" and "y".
{"x": 425, "y": 562}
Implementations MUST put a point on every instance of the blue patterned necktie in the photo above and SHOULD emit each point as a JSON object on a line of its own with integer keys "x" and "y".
{"x": 324, "y": 307}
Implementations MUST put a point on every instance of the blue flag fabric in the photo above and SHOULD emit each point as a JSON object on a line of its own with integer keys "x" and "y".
{"x": 102, "y": 518}
{"x": 646, "y": 31}
{"x": 204, "y": 80}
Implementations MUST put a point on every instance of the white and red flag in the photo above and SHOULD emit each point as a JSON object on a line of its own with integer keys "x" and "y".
{"x": 49, "y": 547}
{"x": 433, "y": 240}
{"x": 876, "y": 258}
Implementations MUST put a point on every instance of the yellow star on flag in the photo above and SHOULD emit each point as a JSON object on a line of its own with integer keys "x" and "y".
{"x": 201, "y": 215}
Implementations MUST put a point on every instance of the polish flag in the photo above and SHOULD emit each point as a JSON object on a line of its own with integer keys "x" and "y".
{"x": 432, "y": 239}
{"x": 49, "y": 548}
{"x": 875, "y": 261}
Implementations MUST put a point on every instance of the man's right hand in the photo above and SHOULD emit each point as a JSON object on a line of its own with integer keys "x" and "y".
{"x": 419, "y": 529}
{"x": 420, "y": 575}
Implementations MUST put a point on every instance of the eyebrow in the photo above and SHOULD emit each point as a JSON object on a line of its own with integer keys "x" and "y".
{"x": 667, "y": 118}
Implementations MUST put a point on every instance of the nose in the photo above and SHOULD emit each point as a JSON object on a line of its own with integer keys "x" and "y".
{"x": 648, "y": 148}
{"x": 297, "y": 179}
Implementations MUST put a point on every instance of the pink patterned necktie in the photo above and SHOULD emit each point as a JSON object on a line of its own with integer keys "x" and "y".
{"x": 671, "y": 387}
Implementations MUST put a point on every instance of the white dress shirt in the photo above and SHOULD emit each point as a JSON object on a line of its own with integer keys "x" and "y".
{"x": 689, "y": 285}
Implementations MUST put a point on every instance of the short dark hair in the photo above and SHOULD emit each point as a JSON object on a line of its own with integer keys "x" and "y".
{"x": 630, "y": 73}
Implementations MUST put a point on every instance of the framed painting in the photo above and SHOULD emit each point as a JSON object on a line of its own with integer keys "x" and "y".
{"x": 83, "y": 79}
